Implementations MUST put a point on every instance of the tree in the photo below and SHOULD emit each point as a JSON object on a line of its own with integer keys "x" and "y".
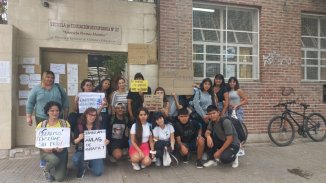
{"x": 115, "y": 65}
{"x": 3, "y": 11}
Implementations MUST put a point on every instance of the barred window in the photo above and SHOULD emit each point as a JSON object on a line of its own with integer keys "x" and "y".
{"x": 225, "y": 40}
{"x": 313, "y": 47}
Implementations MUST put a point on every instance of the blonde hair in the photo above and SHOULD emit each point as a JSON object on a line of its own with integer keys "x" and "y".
{"x": 44, "y": 75}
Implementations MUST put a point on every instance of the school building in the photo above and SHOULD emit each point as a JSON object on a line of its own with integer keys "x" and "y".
{"x": 276, "y": 48}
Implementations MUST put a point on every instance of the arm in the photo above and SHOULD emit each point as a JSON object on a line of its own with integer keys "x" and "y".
{"x": 30, "y": 104}
{"x": 103, "y": 105}
{"x": 225, "y": 103}
{"x": 65, "y": 104}
{"x": 166, "y": 109}
{"x": 172, "y": 140}
{"x": 210, "y": 143}
{"x": 227, "y": 143}
{"x": 244, "y": 98}
{"x": 76, "y": 103}
{"x": 131, "y": 115}
{"x": 176, "y": 101}
{"x": 196, "y": 102}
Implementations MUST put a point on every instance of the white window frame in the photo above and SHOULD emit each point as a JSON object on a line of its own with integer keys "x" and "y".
{"x": 304, "y": 65}
{"x": 220, "y": 33}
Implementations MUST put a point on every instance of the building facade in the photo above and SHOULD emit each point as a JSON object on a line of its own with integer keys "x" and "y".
{"x": 277, "y": 49}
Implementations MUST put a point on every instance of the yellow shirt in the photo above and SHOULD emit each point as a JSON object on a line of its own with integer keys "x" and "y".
{"x": 57, "y": 125}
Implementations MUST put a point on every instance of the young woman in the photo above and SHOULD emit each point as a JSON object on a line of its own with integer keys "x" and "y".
{"x": 203, "y": 98}
{"x": 163, "y": 137}
{"x": 42, "y": 94}
{"x": 141, "y": 141}
{"x": 104, "y": 87}
{"x": 220, "y": 89}
{"x": 166, "y": 106}
{"x": 237, "y": 98}
{"x": 120, "y": 95}
{"x": 88, "y": 121}
{"x": 55, "y": 158}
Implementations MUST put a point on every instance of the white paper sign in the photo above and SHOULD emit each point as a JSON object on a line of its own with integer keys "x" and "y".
{"x": 22, "y": 102}
{"x": 57, "y": 78}
{"x": 94, "y": 144}
{"x": 72, "y": 79}
{"x": 24, "y": 79}
{"x": 58, "y": 68}
{"x": 28, "y": 60}
{"x": 35, "y": 77}
{"x": 5, "y": 72}
{"x": 89, "y": 99}
{"x": 29, "y": 69}
{"x": 52, "y": 137}
{"x": 31, "y": 84}
{"x": 23, "y": 93}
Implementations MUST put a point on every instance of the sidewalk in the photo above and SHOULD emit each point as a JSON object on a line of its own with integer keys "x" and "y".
{"x": 262, "y": 163}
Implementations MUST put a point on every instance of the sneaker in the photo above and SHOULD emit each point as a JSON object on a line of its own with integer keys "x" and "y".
{"x": 210, "y": 163}
{"x": 42, "y": 164}
{"x": 158, "y": 162}
{"x": 235, "y": 163}
{"x": 185, "y": 159}
{"x": 204, "y": 157}
{"x": 81, "y": 173}
{"x": 199, "y": 164}
{"x": 142, "y": 166}
{"x": 48, "y": 176}
{"x": 241, "y": 152}
{"x": 112, "y": 159}
{"x": 135, "y": 166}
{"x": 154, "y": 160}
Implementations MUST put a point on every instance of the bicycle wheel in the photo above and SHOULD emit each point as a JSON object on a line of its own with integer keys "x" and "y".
{"x": 315, "y": 126}
{"x": 245, "y": 131}
{"x": 280, "y": 131}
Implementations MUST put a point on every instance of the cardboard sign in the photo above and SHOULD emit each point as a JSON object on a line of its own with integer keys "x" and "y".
{"x": 153, "y": 102}
{"x": 139, "y": 86}
{"x": 94, "y": 146}
{"x": 89, "y": 99}
{"x": 52, "y": 137}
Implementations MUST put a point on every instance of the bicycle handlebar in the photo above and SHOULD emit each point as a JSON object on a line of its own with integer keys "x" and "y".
{"x": 285, "y": 103}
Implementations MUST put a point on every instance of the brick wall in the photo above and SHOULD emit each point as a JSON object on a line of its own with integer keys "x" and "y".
{"x": 280, "y": 31}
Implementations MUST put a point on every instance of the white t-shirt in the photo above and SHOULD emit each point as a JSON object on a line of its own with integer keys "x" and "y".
{"x": 146, "y": 131}
{"x": 163, "y": 134}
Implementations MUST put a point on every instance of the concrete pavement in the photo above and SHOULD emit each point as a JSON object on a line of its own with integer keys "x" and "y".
{"x": 302, "y": 161}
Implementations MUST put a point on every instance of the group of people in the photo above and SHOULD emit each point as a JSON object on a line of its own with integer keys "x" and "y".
{"x": 186, "y": 123}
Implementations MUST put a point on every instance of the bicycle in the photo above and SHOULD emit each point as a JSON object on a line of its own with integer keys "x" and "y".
{"x": 281, "y": 129}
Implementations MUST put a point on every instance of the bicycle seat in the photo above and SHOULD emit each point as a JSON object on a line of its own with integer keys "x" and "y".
{"x": 305, "y": 105}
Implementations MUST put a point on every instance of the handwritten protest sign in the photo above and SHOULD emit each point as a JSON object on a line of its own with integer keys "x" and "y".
{"x": 89, "y": 99}
{"x": 139, "y": 86}
{"x": 94, "y": 146}
{"x": 52, "y": 137}
{"x": 153, "y": 102}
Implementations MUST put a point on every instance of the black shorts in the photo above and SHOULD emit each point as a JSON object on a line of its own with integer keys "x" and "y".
{"x": 117, "y": 143}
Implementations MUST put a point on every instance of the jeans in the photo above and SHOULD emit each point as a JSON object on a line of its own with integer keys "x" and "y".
{"x": 228, "y": 155}
{"x": 239, "y": 113}
{"x": 96, "y": 165}
{"x": 57, "y": 162}
{"x": 159, "y": 147}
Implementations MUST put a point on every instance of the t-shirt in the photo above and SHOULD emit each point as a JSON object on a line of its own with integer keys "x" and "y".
{"x": 57, "y": 125}
{"x": 163, "y": 134}
{"x": 187, "y": 132}
{"x": 137, "y": 101}
{"x": 216, "y": 129}
{"x": 146, "y": 131}
{"x": 117, "y": 129}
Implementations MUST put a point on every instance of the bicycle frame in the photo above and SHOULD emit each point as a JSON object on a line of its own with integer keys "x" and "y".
{"x": 289, "y": 112}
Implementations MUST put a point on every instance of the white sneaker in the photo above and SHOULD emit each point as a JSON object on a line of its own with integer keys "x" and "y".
{"x": 204, "y": 157}
{"x": 210, "y": 163}
{"x": 158, "y": 162}
{"x": 142, "y": 166}
{"x": 135, "y": 166}
{"x": 235, "y": 163}
{"x": 241, "y": 152}
{"x": 154, "y": 160}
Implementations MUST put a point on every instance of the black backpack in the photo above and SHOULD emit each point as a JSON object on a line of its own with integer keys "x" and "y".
{"x": 238, "y": 127}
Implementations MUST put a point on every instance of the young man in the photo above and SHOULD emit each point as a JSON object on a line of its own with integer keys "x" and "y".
{"x": 188, "y": 137}
{"x": 116, "y": 133}
{"x": 222, "y": 139}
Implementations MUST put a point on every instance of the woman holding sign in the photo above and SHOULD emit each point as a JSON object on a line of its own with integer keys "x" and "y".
{"x": 56, "y": 158}
{"x": 120, "y": 95}
{"x": 88, "y": 121}
{"x": 141, "y": 139}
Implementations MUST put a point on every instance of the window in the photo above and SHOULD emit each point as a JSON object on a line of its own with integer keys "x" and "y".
{"x": 313, "y": 50}
{"x": 225, "y": 40}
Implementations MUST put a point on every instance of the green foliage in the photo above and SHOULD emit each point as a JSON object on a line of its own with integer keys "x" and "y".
{"x": 115, "y": 65}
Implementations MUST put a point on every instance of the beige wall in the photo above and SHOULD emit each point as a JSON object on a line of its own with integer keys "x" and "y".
{"x": 7, "y": 113}
{"x": 137, "y": 20}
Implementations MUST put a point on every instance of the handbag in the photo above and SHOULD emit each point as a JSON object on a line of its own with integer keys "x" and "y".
{"x": 166, "y": 157}
{"x": 234, "y": 114}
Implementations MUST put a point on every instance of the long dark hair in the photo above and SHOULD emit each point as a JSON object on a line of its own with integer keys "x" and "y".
{"x": 164, "y": 96}
{"x": 221, "y": 77}
{"x": 83, "y": 120}
{"x": 83, "y": 83}
{"x": 237, "y": 86}
{"x": 108, "y": 91}
{"x": 139, "y": 126}
{"x": 210, "y": 90}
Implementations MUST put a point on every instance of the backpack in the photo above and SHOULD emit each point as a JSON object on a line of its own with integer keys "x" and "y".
{"x": 238, "y": 127}
{"x": 63, "y": 123}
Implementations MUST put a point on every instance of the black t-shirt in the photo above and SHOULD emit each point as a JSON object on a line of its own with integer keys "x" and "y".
{"x": 220, "y": 93}
{"x": 188, "y": 132}
{"x": 117, "y": 128}
{"x": 137, "y": 101}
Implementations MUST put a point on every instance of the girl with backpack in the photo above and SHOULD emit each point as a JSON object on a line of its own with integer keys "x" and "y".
{"x": 88, "y": 121}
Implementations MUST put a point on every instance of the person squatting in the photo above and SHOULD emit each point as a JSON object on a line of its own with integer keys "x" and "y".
{"x": 186, "y": 125}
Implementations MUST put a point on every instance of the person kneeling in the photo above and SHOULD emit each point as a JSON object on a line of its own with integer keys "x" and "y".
{"x": 222, "y": 139}
{"x": 88, "y": 121}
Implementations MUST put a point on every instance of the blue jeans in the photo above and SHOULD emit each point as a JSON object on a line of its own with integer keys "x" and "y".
{"x": 56, "y": 161}
{"x": 239, "y": 113}
{"x": 96, "y": 165}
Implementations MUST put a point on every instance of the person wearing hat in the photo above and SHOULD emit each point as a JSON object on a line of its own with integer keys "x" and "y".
{"x": 117, "y": 132}
{"x": 163, "y": 137}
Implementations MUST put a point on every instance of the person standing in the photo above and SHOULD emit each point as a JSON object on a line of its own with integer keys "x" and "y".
{"x": 221, "y": 91}
{"x": 120, "y": 95}
{"x": 42, "y": 94}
